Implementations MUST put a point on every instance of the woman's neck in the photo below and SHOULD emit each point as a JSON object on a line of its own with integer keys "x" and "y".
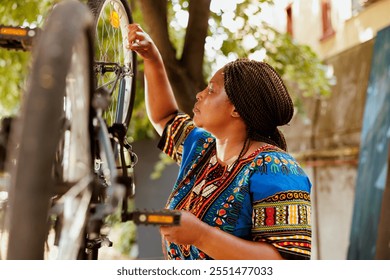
{"x": 229, "y": 151}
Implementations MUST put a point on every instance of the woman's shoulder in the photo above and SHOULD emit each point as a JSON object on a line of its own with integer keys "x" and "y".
{"x": 270, "y": 158}
{"x": 194, "y": 141}
{"x": 274, "y": 170}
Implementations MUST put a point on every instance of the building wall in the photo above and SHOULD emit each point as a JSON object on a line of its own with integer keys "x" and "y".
{"x": 350, "y": 29}
{"x": 354, "y": 30}
{"x": 327, "y": 142}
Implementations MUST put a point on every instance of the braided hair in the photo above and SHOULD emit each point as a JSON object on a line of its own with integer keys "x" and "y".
{"x": 260, "y": 97}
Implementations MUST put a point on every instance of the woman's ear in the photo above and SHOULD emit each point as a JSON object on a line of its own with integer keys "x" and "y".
{"x": 234, "y": 113}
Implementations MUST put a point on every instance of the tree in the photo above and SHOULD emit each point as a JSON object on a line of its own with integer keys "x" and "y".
{"x": 184, "y": 56}
{"x": 14, "y": 64}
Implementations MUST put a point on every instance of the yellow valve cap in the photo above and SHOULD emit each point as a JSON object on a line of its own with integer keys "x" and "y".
{"x": 114, "y": 19}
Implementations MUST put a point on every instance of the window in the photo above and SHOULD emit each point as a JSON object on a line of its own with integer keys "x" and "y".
{"x": 289, "y": 20}
{"x": 327, "y": 28}
{"x": 358, "y": 5}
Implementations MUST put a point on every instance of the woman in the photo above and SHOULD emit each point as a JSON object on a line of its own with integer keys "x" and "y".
{"x": 241, "y": 195}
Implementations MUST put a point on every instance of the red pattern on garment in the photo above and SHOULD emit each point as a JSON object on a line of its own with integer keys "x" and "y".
{"x": 270, "y": 220}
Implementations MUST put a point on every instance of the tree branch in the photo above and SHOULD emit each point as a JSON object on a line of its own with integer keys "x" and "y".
{"x": 155, "y": 16}
{"x": 193, "y": 51}
{"x": 186, "y": 75}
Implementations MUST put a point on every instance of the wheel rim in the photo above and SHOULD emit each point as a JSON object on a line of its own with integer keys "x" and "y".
{"x": 111, "y": 47}
{"x": 73, "y": 161}
{"x": 78, "y": 163}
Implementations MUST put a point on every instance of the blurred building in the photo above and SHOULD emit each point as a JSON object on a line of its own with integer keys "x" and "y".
{"x": 327, "y": 143}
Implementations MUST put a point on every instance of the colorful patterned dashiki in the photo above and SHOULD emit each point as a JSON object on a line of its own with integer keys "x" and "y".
{"x": 263, "y": 197}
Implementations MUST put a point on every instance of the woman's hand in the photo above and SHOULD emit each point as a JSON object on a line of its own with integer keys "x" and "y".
{"x": 216, "y": 243}
{"x": 141, "y": 43}
{"x": 189, "y": 232}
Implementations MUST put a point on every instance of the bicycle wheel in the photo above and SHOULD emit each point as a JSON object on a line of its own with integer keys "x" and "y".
{"x": 51, "y": 139}
{"x": 115, "y": 64}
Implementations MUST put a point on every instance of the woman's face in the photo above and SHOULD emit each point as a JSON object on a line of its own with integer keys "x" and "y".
{"x": 213, "y": 108}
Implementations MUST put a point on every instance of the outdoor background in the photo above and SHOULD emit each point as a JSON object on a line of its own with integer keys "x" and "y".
{"x": 334, "y": 56}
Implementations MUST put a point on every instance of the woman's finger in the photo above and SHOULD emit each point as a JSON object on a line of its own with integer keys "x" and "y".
{"x": 135, "y": 35}
{"x": 133, "y": 27}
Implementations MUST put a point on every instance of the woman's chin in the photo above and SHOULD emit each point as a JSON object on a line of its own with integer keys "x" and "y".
{"x": 196, "y": 121}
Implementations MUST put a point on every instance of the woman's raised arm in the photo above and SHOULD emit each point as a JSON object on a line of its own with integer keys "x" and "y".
{"x": 161, "y": 105}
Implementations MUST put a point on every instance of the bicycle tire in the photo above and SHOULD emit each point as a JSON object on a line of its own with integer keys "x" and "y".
{"x": 111, "y": 18}
{"x": 55, "y": 111}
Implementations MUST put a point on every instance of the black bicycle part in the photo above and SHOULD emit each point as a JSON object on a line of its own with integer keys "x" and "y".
{"x": 115, "y": 70}
{"x": 5, "y": 129}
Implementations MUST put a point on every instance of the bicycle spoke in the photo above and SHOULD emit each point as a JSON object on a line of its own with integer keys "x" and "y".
{"x": 75, "y": 210}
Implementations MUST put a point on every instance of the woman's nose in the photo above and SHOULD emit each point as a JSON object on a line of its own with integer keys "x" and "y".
{"x": 199, "y": 95}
